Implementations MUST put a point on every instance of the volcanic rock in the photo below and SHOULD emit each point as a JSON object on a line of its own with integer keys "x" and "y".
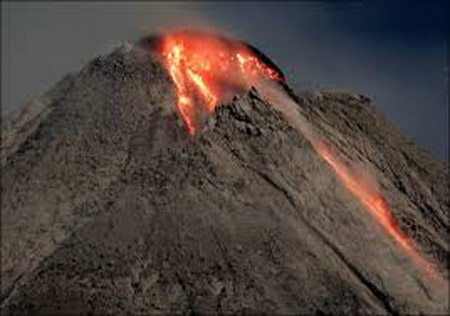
{"x": 109, "y": 206}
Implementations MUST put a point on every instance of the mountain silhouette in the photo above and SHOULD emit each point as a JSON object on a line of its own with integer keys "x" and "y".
{"x": 110, "y": 206}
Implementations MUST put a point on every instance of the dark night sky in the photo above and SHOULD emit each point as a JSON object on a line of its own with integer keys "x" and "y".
{"x": 394, "y": 51}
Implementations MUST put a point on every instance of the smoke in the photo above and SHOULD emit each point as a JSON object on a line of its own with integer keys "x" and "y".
{"x": 278, "y": 99}
{"x": 359, "y": 181}
{"x": 351, "y": 173}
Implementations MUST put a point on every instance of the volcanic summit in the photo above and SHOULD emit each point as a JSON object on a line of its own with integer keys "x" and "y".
{"x": 182, "y": 174}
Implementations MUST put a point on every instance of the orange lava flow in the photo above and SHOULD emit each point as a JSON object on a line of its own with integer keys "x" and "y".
{"x": 376, "y": 205}
{"x": 203, "y": 67}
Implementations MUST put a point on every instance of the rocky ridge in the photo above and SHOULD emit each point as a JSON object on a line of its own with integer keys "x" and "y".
{"x": 108, "y": 206}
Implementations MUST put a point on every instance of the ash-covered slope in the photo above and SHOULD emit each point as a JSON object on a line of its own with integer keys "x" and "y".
{"x": 109, "y": 206}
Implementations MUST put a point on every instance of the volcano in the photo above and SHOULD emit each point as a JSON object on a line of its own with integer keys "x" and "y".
{"x": 154, "y": 181}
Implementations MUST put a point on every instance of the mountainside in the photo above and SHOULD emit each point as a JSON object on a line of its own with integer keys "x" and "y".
{"x": 109, "y": 206}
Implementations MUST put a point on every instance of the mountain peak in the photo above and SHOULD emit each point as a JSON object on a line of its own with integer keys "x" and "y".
{"x": 109, "y": 205}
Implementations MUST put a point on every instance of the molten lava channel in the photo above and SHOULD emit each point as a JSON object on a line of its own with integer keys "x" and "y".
{"x": 376, "y": 205}
{"x": 202, "y": 67}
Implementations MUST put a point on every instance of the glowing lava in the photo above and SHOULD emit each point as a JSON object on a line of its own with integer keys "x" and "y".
{"x": 360, "y": 184}
{"x": 375, "y": 204}
{"x": 203, "y": 67}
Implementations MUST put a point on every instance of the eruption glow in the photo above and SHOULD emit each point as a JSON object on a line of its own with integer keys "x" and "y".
{"x": 376, "y": 205}
{"x": 360, "y": 184}
{"x": 202, "y": 67}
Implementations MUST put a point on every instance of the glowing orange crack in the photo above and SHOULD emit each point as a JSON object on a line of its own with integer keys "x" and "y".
{"x": 377, "y": 207}
{"x": 204, "y": 89}
{"x": 196, "y": 64}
